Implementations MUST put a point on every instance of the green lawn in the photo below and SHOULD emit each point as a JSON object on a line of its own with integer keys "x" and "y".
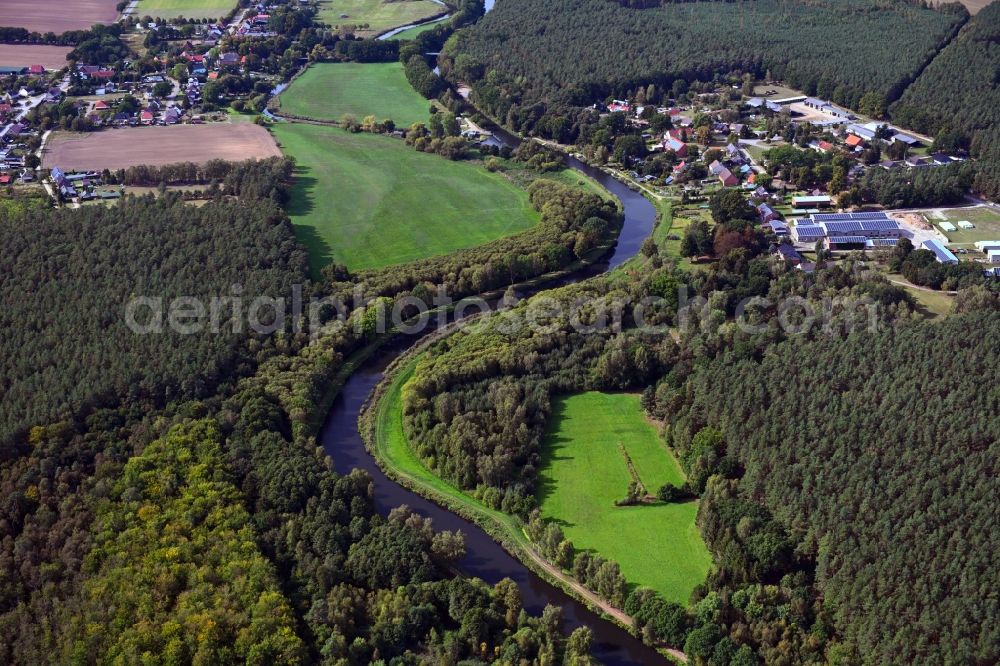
{"x": 987, "y": 223}
{"x": 369, "y": 200}
{"x": 377, "y": 15}
{"x": 583, "y": 473}
{"x": 196, "y": 9}
{"x": 327, "y": 91}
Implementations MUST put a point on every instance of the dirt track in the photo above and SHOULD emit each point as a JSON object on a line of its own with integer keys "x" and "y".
{"x": 58, "y": 16}
{"x": 25, "y": 55}
{"x": 122, "y": 148}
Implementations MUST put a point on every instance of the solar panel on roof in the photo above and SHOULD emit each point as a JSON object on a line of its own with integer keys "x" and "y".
{"x": 842, "y": 227}
{"x": 878, "y": 225}
{"x": 849, "y": 240}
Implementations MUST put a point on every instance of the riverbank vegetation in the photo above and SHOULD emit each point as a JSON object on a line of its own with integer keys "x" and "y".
{"x": 479, "y": 405}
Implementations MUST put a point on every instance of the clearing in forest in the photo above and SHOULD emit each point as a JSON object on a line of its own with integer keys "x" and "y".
{"x": 583, "y": 474}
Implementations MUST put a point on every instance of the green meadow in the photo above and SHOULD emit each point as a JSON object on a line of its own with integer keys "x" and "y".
{"x": 369, "y": 201}
{"x": 583, "y": 474}
{"x": 327, "y": 91}
{"x": 377, "y": 15}
{"x": 195, "y": 9}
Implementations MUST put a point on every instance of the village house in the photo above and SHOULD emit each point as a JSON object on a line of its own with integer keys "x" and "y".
{"x": 676, "y": 145}
{"x": 787, "y": 253}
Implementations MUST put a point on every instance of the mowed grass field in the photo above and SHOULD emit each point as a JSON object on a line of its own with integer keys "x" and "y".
{"x": 327, "y": 91}
{"x": 987, "y": 222}
{"x": 194, "y": 9}
{"x": 378, "y": 15}
{"x": 369, "y": 200}
{"x": 583, "y": 473}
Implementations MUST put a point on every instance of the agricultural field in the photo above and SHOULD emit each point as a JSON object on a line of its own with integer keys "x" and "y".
{"x": 327, "y": 91}
{"x": 59, "y": 16}
{"x": 974, "y": 6}
{"x": 25, "y": 55}
{"x": 193, "y": 9}
{"x": 987, "y": 221}
{"x": 122, "y": 148}
{"x": 377, "y": 16}
{"x": 369, "y": 200}
{"x": 656, "y": 545}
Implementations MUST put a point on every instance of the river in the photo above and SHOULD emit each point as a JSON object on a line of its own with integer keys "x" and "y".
{"x": 484, "y": 557}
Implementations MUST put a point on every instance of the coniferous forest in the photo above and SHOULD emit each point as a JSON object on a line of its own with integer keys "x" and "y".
{"x": 532, "y": 60}
{"x": 878, "y": 456}
{"x": 957, "y": 99}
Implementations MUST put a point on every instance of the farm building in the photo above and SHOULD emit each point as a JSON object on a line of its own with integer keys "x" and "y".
{"x": 947, "y": 226}
{"x": 861, "y": 131}
{"x": 812, "y": 202}
{"x": 941, "y": 253}
{"x": 986, "y": 246}
{"x": 965, "y": 224}
{"x": 837, "y": 243}
{"x": 874, "y": 243}
{"x": 993, "y": 256}
{"x": 777, "y": 227}
{"x": 808, "y": 233}
{"x": 869, "y": 225}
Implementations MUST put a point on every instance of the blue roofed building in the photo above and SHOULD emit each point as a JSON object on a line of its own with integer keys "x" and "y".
{"x": 941, "y": 253}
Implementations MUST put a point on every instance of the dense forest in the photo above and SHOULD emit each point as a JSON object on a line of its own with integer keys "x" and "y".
{"x": 186, "y": 465}
{"x": 881, "y": 460}
{"x": 532, "y": 62}
{"x": 957, "y": 97}
{"x": 68, "y": 346}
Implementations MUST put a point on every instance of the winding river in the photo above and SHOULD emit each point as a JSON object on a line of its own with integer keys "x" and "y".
{"x": 484, "y": 557}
